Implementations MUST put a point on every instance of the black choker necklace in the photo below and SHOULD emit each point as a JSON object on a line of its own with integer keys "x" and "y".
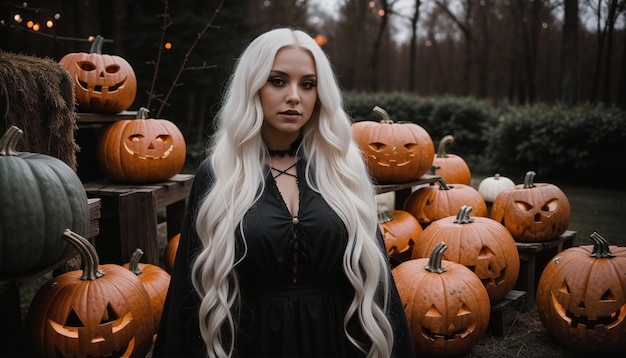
{"x": 282, "y": 152}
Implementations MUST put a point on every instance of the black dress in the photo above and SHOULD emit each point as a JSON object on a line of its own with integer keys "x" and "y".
{"x": 293, "y": 289}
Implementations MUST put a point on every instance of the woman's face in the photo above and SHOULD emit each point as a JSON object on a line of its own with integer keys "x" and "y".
{"x": 289, "y": 96}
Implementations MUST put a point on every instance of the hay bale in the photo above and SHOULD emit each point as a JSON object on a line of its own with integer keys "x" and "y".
{"x": 37, "y": 95}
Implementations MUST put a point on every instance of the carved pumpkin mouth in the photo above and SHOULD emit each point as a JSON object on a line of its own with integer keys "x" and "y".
{"x": 148, "y": 156}
{"x": 98, "y": 88}
{"x": 573, "y": 320}
{"x": 454, "y": 334}
{"x": 117, "y": 325}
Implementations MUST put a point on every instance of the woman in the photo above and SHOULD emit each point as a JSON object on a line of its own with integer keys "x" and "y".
{"x": 280, "y": 253}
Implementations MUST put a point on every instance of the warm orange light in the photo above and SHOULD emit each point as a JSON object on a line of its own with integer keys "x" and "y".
{"x": 168, "y": 45}
{"x": 18, "y": 18}
{"x": 49, "y": 24}
{"x": 30, "y": 24}
{"x": 372, "y": 4}
{"x": 321, "y": 39}
{"x": 381, "y": 12}
{"x": 36, "y": 27}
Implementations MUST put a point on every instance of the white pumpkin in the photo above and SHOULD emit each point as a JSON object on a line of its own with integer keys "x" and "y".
{"x": 490, "y": 187}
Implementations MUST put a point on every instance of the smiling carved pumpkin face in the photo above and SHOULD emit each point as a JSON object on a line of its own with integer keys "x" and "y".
{"x": 394, "y": 152}
{"x": 102, "y": 83}
{"x": 141, "y": 150}
{"x": 445, "y": 303}
{"x": 581, "y": 297}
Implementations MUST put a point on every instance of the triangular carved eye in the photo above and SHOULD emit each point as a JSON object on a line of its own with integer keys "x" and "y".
{"x": 73, "y": 320}
{"x": 564, "y": 287}
{"x": 433, "y": 312}
{"x": 109, "y": 315}
{"x": 608, "y": 296}
{"x": 463, "y": 311}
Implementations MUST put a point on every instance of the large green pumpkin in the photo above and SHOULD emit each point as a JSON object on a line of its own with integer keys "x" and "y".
{"x": 40, "y": 197}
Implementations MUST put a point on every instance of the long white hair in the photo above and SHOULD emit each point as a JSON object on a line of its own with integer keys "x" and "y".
{"x": 335, "y": 168}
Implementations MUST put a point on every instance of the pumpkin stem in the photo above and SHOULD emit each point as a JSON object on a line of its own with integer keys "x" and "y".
{"x": 381, "y": 112}
{"x": 9, "y": 141}
{"x": 433, "y": 169}
{"x": 434, "y": 261}
{"x": 383, "y": 212}
{"x": 528, "y": 180}
{"x": 443, "y": 185}
{"x": 463, "y": 217}
{"x": 142, "y": 113}
{"x": 441, "y": 150}
{"x": 89, "y": 256}
{"x": 600, "y": 246}
{"x": 96, "y": 45}
{"x": 133, "y": 265}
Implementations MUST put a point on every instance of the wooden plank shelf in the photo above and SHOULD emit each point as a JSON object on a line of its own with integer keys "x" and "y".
{"x": 403, "y": 190}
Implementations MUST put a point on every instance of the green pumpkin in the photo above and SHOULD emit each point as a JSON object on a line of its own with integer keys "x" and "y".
{"x": 40, "y": 197}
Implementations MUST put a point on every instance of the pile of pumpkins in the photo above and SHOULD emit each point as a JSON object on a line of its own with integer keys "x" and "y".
{"x": 450, "y": 267}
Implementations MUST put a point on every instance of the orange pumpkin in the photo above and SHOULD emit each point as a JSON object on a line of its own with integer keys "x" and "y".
{"x": 400, "y": 230}
{"x": 169, "y": 255}
{"x": 156, "y": 281}
{"x": 141, "y": 150}
{"x": 434, "y": 202}
{"x": 451, "y": 167}
{"x": 533, "y": 212}
{"x": 581, "y": 298}
{"x": 394, "y": 152}
{"x": 102, "y": 83}
{"x": 480, "y": 243}
{"x": 99, "y": 311}
{"x": 447, "y": 306}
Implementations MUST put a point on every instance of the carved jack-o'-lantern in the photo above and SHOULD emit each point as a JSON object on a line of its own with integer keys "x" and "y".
{"x": 141, "y": 150}
{"x": 434, "y": 202}
{"x": 581, "y": 298}
{"x": 481, "y": 244}
{"x": 101, "y": 311}
{"x": 532, "y": 212}
{"x": 400, "y": 231}
{"x": 102, "y": 83}
{"x": 394, "y": 152}
{"x": 445, "y": 303}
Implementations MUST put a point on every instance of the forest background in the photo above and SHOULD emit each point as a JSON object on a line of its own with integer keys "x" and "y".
{"x": 504, "y": 51}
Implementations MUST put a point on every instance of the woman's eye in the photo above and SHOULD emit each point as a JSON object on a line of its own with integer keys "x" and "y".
{"x": 276, "y": 82}
{"x": 308, "y": 84}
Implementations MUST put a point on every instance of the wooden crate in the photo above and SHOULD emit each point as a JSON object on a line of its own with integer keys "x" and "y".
{"x": 504, "y": 312}
{"x": 129, "y": 216}
{"x": 533, "y": 258}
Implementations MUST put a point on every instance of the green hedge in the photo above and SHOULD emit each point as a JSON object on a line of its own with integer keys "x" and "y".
{"x": 568, "y": 145}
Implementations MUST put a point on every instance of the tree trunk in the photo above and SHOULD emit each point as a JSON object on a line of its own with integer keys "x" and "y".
{"x": 569, "y": 55}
